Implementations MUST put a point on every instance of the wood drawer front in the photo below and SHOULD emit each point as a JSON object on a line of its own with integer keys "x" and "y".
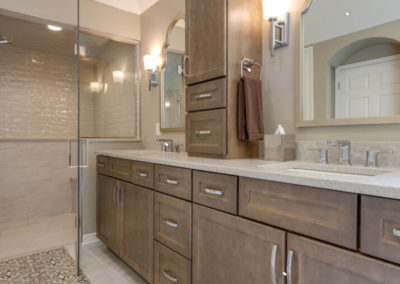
{"x": 208, "y": 95}
{"x": 206, "y": 132}
{"x": 120, "y": 168}
{"x": 173, "y": 181}
{"x": 143, "y": 174}
{"x": 170, "y": 267}
{"x": 323, "y": 214}
{"x": 173, "y": 223}
{"x": 380, "y": 228}
{"x": 102, "y": 165}
{"x": 215, "y": 190}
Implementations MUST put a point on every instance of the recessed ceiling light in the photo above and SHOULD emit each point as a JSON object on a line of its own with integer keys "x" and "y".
{"x": 54, "y": 28}
{"x": 347, "y": 13}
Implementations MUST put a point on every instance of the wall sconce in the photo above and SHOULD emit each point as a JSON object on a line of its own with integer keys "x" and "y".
{"x": 151, "y": 63}
{"x": 276, "y": 11}
{"x": 118, "y": 76}
{"x": 95, "y": 87}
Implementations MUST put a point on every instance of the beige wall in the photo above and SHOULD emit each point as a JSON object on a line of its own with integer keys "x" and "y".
{"x": 154, "y": 24}
{"x": 281, "y": 85}
{"x": 94, "y": 16}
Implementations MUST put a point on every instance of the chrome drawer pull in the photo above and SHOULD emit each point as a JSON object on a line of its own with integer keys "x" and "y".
{"x": 142, "y": 174}
{"x": 203, "y": 96}
{"x": 171, "y": 223}
{"x": 172, "y": 181}
{"x": 101, "y": 165}
{"x": 396, "y": 232}
{"x": 169, "y": 277}
{"x": 202, "y": 132}
{"x": 289, "y": 266}
{"x": 273, "y": 264}
{"x": 213, "y": 191}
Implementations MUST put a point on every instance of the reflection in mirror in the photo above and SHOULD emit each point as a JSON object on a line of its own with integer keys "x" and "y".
{"x": 172, "y": 90}
{"x": 350, "y": 60}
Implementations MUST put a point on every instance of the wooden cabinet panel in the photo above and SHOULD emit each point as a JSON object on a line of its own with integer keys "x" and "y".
{"x": 207, "y": 95}
{"x": 108, "y": 212}
{"x": 229, "y": 249}
{"x": 120, "y": 168}
{"x": 380, "y": 228}
{"x": 323, "y": 214}
{"x": 143, "y": 174}
{"x": 206, "y": 39}
{"x": 173, "y": 181}
{"x": 173, "y": 223}
{"x": 315, "y": 262}
{"x": 170, "y": 267}
{"x": 206, "y": 132}
{"x": 137, "y": 229}
{"x": 102, "y": 165}
{"x": 215, "y": 190}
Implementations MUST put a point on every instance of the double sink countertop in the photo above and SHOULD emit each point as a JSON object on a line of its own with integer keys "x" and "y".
{"x": 382, "y": 182}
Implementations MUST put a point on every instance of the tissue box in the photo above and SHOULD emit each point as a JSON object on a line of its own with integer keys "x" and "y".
{"x": 279, "y": 147}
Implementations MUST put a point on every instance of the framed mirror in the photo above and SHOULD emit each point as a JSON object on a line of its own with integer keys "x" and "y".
{"x": 350, "y": 63}
{"x": 172, "y": 87}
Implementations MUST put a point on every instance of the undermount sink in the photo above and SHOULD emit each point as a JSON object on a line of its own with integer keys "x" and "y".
{"x": 334, "y": 169}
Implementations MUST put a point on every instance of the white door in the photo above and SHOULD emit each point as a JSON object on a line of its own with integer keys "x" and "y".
{"x": 368, "y": 89}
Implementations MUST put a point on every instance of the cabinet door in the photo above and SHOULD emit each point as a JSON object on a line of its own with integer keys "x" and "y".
{"x": 206, "y": 39}
{"x": 315, "y": 263}
{"x": 108, "y": 212}
{"x": 230, "y": 250}
{"x": 137, "y": 229}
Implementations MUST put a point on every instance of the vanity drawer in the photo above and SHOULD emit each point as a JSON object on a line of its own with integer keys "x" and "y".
{"x": 173, "y": 223}
{"x": 173, "y": 181}
{"x": 319, "y": 213}
{"x": 102, "y": 165}
{"x": 170, "y": 267}
{"x": 380, "y": 228}
{"x": 120, "y": 168}
{"x": 143, "y": 174}
{"x": 208, "y": 95}
{"x": 206, "y": 132}
{"x": 215, "y": 190}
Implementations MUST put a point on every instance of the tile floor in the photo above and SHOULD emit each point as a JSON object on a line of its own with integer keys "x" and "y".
{"x": 101, "y": 266}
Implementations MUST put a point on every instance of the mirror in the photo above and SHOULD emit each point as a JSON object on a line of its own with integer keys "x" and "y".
{"x": 172, "y": 88}
{"x": 350, "y": 63}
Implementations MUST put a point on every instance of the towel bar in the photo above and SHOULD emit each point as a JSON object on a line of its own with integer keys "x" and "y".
{"x": 246, "y": 65}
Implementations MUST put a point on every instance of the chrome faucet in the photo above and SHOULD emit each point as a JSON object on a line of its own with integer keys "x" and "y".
{"x": 372, "y": 158}
{"x": 345, "y": 151}
{"x": 167, "y": 145}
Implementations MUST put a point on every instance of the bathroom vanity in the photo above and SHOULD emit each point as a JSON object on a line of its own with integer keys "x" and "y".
{"x": 180, "y": 219}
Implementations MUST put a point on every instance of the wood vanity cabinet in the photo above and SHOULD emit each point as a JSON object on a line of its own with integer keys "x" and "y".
{"x": 217, "y": 39}
{"x": 230, "y": 250}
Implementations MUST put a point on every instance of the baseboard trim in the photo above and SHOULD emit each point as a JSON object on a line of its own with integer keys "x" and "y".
{"x": 89, "y": 239}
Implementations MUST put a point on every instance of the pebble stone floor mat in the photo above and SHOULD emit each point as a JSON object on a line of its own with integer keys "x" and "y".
{"x": 46, "y": 267}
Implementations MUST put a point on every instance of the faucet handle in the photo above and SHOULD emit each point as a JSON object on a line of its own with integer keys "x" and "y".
{"x": 372, "y": 157}
{"x": 323, "y": 155}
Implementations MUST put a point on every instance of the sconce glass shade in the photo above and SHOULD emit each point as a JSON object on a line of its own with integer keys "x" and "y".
{"x": 95, "y": 87}
{"x": 118, "y": 76}
{"x": 151, "y": 62}
{"x": 275, "y": 9}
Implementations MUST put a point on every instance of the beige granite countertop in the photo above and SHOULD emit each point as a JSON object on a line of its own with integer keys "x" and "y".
{"x": 385, "y": 184}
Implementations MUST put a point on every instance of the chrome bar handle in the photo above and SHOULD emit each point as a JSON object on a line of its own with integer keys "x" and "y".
{"x": 171, "y": 181}
{"x": 202, "y": 132}
{"x": 396, "y": 232}
{"x": 273, "y": 264}
{"x": 101, "y": 165}
{"x": 115, "y": 198}
{"x": 171, "y": 223}
{"x": 142, "y": 174}
{"x": 289, "y": 266}
{"x": 169, "y": 277}
{"x": 184, "y": 71}
{"x": 214, "y": 191}
{"x": 203, "y": 96}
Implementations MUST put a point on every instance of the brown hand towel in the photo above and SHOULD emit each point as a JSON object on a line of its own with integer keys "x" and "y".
{"x": 250, "y": 110}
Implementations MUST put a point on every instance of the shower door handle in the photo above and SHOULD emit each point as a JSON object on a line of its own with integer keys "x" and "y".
{"x": 80, "y": 148}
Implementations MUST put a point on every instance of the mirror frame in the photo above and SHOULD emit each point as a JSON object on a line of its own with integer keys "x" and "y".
{"x": 299, "y": 86}
{"x": 165, "y": 46}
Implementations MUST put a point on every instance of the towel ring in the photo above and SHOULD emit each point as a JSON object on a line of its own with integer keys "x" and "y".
{"x": 246, "y": 65}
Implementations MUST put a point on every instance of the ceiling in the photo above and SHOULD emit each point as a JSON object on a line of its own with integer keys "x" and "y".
{"x": 132, "y": 6}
